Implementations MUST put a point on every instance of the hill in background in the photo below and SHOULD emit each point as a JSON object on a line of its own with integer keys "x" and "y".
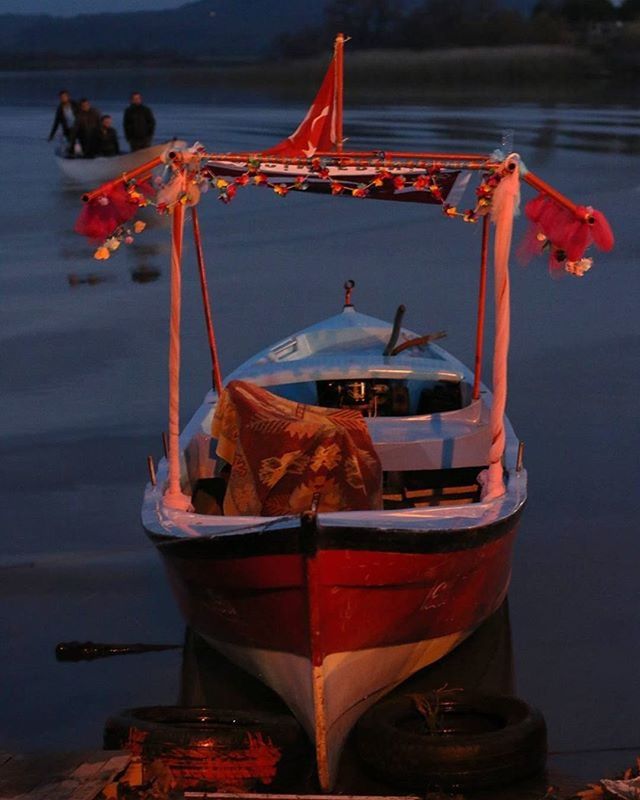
{"x": 205, "y": 30}
{"x": 233, "y": 32}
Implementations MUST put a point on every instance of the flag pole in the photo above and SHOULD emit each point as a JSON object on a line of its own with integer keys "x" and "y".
{"x": 338, "y": 52}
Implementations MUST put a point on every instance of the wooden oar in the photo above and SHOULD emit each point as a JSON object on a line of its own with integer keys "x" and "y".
{"x": 88, "y": 651}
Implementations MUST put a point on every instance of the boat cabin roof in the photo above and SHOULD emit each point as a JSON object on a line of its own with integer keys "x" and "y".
{"x": 347, "y": 345}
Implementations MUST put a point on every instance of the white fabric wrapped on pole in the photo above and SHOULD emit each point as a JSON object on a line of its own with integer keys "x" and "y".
{"x": 506, "y": 199}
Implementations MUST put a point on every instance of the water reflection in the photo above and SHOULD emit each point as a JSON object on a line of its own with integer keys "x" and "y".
{"x": 143, "y": 256}
{"x": 90, "y": 279}
{"x": 145, "y": 274}
{"x": 544, "y": 139}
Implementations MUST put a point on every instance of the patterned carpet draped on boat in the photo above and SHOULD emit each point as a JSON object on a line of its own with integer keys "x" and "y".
{"x": 287, "y": 457}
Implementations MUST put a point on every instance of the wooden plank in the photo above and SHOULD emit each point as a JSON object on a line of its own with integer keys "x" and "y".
{"x": 118, "y": 763}
{"x": 108, "y": 772}
{"x": 88, "y": 770}
{"x": 55, "y": 790}
{"x": 259, "y": 796}
{"x": 68, "y": 776}
{"x": 88, "y": 790}
{"x": 24, "y": 772}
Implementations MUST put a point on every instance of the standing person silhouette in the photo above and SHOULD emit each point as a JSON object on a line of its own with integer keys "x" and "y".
{"x": 138, "y": 123}
{"x": 65, "y": 116}
{"x": 85, "y": 128}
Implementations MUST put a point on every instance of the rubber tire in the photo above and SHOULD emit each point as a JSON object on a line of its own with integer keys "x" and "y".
{"x": 163, "y": 730}
{"x": 185, "y": 725}
{"x": 418, "y": 760}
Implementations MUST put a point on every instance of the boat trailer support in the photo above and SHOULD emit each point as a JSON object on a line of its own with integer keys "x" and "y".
{"x": 482, "y": 305}
{"x": 216, "y": 377}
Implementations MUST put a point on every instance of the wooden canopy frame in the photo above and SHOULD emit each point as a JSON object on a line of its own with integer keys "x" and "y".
{"x": 426, "y": 163}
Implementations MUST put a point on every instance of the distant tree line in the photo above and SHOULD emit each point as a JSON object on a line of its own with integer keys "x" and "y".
{"x": 453, "y": 23}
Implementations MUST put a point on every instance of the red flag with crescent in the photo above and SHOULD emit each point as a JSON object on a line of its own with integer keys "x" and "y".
{"x": 318, "y": 131}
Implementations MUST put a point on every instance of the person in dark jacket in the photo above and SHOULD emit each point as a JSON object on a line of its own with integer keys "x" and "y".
{"x": 106, "y": 138}
{"x": 85, "y": 129}
{"x": 65, "y": 116}
{"x": 138, "y": 123}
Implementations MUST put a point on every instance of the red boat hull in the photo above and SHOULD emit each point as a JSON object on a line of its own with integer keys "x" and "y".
{"x": 359, "y": 598}
{"x": 333, "y": 619}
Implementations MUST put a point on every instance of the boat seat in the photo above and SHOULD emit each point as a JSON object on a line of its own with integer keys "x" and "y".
{"x": 432, "y": 487}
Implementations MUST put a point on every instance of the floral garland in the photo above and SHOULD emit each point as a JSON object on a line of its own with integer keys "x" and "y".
{"x": 121, "y": 234}
{"x": 190, "y": 175}
{"x": 425, "y": 182}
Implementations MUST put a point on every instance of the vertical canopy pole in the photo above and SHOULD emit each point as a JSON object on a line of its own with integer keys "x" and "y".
{"x": 173, "y": 496}
{"x": 338, "y": 60}
{"x": 482, "y": 305}
{"x": 505, "y": 201}
{"x": 213, "y": 349}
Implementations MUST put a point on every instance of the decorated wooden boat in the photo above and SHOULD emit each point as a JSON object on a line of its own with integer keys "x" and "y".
{"x": 334, "y": 608}
{"x": 341, "y": 510}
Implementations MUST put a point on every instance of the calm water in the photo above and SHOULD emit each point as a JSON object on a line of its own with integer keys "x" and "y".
{"x": 82, "y": 380}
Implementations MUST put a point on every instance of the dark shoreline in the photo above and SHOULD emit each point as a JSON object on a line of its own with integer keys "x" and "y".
{"x": 484, "y": 75}
{"x": 531, "y": 65}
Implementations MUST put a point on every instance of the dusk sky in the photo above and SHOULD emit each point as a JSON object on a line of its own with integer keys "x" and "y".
{"x": 71, "y": 7}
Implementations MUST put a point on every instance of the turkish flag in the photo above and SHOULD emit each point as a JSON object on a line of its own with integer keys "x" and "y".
{"x": 318, "y": 130}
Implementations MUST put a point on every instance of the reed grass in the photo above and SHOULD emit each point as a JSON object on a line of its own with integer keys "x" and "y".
{"x": 404, "y": 70}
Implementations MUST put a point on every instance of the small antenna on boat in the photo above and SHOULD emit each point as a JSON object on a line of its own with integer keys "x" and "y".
{"x": 520, "y": 457}
{"x": 348, "y": 286}
{"x": 506, "y": 145}
{"x": 152, "y": 470}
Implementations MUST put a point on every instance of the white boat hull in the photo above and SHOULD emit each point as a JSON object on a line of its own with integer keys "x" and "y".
{"x": 327, "y": 699}
{"x": 87, "y": 173}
